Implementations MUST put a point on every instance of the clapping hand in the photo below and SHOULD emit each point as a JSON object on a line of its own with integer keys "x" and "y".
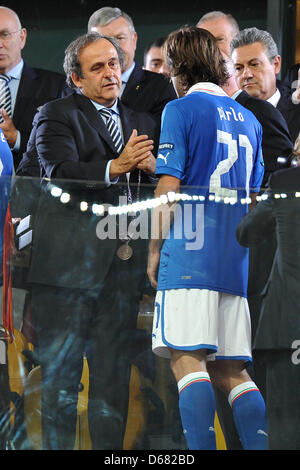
{"x": 137, "y": 149}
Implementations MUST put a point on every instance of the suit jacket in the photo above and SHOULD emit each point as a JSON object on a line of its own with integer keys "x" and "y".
{"x": 279, "y": 323}
{"x": 290, "y": 77}
{"x": 291, "y": 113}
{"x": 36, "y": 88}
{"x": 148, "y": 91}
{"x": 289, "y": 110}
{"x": 276, "y": 140}
{"x": 75, "y": 146}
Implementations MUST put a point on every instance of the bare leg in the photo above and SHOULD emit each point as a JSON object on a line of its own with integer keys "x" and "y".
{"x": 184, "y": 363}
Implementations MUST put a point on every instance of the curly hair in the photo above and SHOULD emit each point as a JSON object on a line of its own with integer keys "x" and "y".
{"x": 193, "y": 55}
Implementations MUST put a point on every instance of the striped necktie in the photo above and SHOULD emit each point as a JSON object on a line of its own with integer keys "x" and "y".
{"x": 112, "y": 128}
{"x": 5, "y": 97}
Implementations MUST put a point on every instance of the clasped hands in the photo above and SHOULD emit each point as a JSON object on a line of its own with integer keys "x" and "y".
{"x": 137, "y": 153}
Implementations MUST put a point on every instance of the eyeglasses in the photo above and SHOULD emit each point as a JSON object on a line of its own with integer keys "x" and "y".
{"x": 6, "y": 35}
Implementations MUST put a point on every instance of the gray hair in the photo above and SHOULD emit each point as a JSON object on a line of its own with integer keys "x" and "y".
{"x": 71, "y": 62}
{"x": 215, "y": 15}
{"x": 249, "y": 36}
{"x": 106, "y": 15}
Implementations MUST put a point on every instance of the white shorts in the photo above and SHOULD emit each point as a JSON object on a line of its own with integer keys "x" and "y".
{"x": 191, "y": 319}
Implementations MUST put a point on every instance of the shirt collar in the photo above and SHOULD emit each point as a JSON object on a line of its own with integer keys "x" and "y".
{"x": 113, "y": 108}
{"x": 207, "y": 87}
{"x": 236, "y": 94}
{"x": 275, "y": 98}
{"x": 16, "y": 71}
{"x": 127, "y": 73}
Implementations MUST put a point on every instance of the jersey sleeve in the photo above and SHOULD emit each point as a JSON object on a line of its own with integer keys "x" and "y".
{"x": 6, "y": 158}
{"x": 171, "y": 157}
{"x": 258, "y": 164}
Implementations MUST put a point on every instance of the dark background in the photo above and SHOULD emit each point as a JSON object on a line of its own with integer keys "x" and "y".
{"x": 53, "y": 24}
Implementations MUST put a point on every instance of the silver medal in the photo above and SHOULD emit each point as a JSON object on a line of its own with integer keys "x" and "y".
{"x": 124, "y": 252}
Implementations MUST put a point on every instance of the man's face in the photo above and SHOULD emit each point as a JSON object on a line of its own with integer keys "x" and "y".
{"x": 101, "y": 72}
{"x": 254, "y": 72}
{"x": 119, "y": 29}
{"x": 155, "y": 61}
{"x": 221, "y": 29}
{"x": 12, "y": 41}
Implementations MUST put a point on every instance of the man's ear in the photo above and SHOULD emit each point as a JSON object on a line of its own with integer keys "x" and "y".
{"x": 135, "y": 39}
{"x": 76, "y": 80}
{"x": 23, "y": 37}
{"x": 277, "y": 64}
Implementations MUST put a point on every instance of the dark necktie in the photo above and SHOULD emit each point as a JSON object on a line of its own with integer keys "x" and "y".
{"x": 112, "y": 128}
{"x": 5, "y": 97}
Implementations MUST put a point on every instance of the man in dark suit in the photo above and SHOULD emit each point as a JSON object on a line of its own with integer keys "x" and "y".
{"x": 276, "y": 138}
{"x": 257, "y": 63}
{"x": 142, "y": 90}
{"x": 292, "y": 78}
{"x": 84, "y": 297}
{"x": 29, "y": 87}
{"x": 278, "y": 333}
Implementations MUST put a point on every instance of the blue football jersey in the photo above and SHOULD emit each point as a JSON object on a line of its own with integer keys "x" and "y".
{"x": 213, "y": 145}
{"x": 6, "y": 170}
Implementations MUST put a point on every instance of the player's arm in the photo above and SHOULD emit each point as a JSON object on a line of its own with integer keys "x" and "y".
{"x": 162, "y": 220}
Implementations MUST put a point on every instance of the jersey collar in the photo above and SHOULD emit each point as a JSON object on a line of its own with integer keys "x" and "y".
{"x": 207, "y": 87}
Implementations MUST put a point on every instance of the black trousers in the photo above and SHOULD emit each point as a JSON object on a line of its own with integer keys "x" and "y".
{"x": 71, "y": 323}
{"x": 283, "y": 400}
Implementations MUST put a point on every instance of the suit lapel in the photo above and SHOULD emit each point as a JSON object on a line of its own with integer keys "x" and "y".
{"x": 242, "y": 98}
{"x": 24, "y": 95}
{"x": 94, "y": 119}
{"x": 285, "y": 106}
{"x": 128, "y": 121}
{"x": 133, "y": 85}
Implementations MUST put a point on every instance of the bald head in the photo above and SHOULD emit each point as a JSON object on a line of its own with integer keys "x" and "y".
{"x": 12, "y": 39}
{"x": 221, "y": 25}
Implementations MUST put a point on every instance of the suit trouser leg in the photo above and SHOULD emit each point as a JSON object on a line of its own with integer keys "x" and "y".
{"x": 60, "y": 317}
{"x": 109, "y": 356}
{"x": 283, "y": 400}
